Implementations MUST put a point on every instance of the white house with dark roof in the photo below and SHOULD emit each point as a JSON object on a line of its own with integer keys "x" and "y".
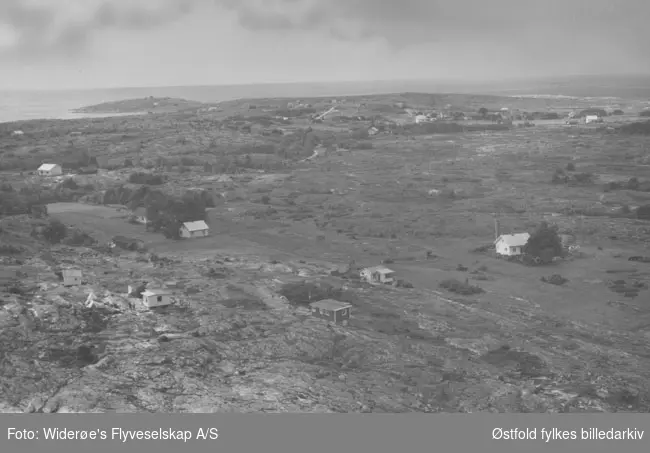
{"x": 71, "y": 277}
{"x": 378, "y": 274}
{"x": 50, "y": 170}
{"x": 511, "y": 244}
{"x": 156, "y": 298}
{"x": 194, "y": 229}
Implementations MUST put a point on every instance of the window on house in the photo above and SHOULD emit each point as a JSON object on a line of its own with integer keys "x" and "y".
{"x": 159, "y": 298}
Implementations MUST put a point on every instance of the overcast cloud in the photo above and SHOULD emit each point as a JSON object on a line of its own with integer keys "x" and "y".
{"x": 78, "y": 39}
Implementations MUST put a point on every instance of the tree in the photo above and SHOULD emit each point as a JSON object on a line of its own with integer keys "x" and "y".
{"x": 55, "y": 231}
{"x": 483, "y": 111}
{"x": 643, "y": 212}
{"x": 171, "y": 230}
{"x": 544, "y": 243}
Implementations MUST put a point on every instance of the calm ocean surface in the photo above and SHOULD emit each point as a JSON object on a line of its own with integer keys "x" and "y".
{"x": 28, "y": 105}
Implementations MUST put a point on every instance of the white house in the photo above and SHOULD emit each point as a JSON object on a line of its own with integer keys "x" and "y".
{"x": 591, "y": 118}
{"x": 50, "y": 170}
{"x": 511, "y": 244}
{"x": 156, "y": 298}
{"x": 377, "y": 274}
{"x": 421, "y": 119}
{"x": 194, "y": 229}
{"x": 71, "y": 277}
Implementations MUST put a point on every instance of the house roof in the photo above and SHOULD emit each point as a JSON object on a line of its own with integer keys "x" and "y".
{"x": 330, "y": 304}
{"x": 380, "y": 269}
{"x": 197, "y": 225}
{"x": 71, "y": 272}
{"x": 48, "y": 167}
{"x": 155, "y": 292}
{"x": 514, "y": 240}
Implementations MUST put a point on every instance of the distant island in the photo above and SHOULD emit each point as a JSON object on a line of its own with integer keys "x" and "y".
{"x": 142, "y": 105}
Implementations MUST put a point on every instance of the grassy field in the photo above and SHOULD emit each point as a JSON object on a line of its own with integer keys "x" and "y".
{"x": 422, "y": 204}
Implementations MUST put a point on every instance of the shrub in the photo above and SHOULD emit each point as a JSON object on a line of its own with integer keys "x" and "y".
{"x": 79, "y": 239}
{"x": 583, "y": 178}
{"x": 305, "y": 293}
{"x": 9, "y": 249}
{"x": 362, "y": 145}
{"x": 638, "y": 128}
{"x": 544, "y": 242}
{"x": 643, "y": 212}
{"x": 146, "y": 178}
{"x": 570, "y": 166}
{"x": 55, "y": 231}
{"x": 458, "y": 287}
{"x": 69, "y": 183}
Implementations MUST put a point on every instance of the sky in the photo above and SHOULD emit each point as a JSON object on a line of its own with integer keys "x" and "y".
{"x": 69, "y": 44}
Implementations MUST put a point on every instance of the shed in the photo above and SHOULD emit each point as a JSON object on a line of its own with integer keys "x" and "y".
{"x": 377, "y": 274}
{"x": 156, "y": 298}
{"x": 50, "y": 170}
{"x": 71, "y": 277}
{"x": 332, "y": 311}
{"x": 194, "y": 229}
{"x": 511, "y": 244}
{"x": 591, "y": 118}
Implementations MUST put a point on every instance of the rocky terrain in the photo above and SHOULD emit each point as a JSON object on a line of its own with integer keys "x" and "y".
{"x": 239, "y": 336}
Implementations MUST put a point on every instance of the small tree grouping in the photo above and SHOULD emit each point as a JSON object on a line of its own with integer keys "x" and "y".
{"x": 544, "y": 243}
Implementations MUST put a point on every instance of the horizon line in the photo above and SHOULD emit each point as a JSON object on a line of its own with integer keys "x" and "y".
{"x": 450, "y": 81}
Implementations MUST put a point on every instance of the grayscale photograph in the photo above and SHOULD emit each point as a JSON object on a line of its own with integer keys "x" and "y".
{"x": 324, "y": 206}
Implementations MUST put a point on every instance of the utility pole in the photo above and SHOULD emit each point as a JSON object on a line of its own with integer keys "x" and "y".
{"x": 580, "y": 230}
{"x": 495, "y": 215}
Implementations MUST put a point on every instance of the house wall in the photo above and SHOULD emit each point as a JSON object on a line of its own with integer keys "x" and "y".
{"x": 323, "y": 314}
{"x": 152, "y": 301}
{"x": 342, "y": 315}
{"x": 184, "y": 233}
{"x": 502, "y": 248}
{"x": 53, "y": 172}
{"x": 71, "y": 280}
